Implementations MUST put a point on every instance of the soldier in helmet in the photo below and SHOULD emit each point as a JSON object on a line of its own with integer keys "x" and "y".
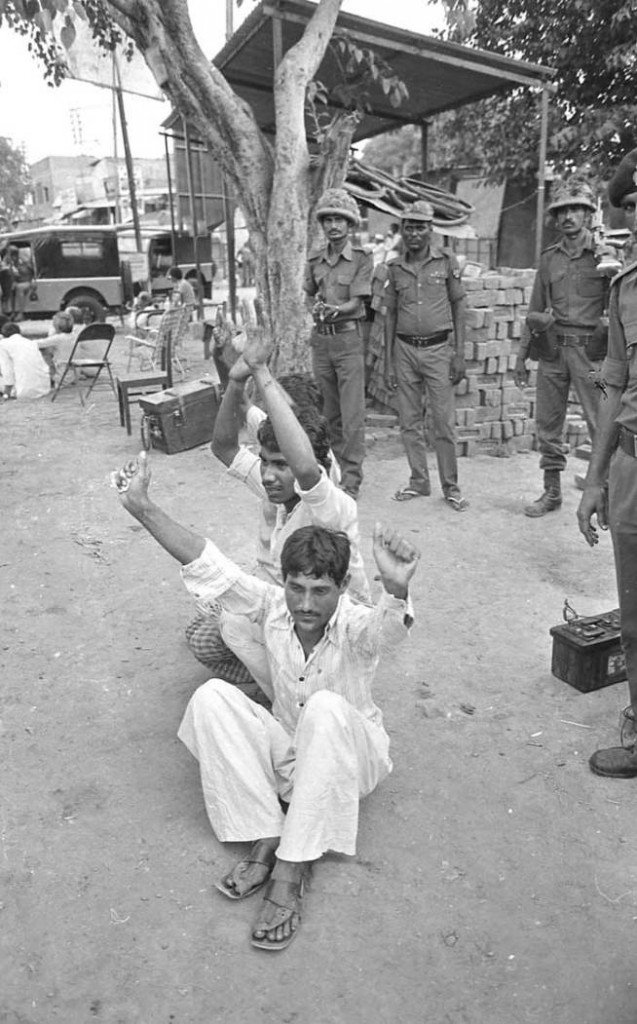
{"x": 569, "y": 287}
{"x": 610, "y": 491}
{"x": 425, "y": 304}
{"x": 338, "y": 279}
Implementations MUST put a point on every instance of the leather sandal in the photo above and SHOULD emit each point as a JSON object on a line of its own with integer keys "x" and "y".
{"x": 457, "y": 503}
{"x": 267, "y": 860}
{"x": 409, "y": 493}
{"x": 286, "y": 897}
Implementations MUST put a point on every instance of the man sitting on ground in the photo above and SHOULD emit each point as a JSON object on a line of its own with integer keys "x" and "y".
{"x": 290, "y": 476}
{"x": 324, "y": 746}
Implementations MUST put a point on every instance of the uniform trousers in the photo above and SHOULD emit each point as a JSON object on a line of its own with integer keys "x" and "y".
{"x": 554, "y": 380}
{"x": 247, "y": 761}
{"x": 338, "y": 363}
{"x": 622, "y": 507}
{"x": 425, "y": 371}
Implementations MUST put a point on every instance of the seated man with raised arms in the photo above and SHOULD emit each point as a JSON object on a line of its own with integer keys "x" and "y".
{"x": 290, "y": 476}
{"x": 323, "y": 747}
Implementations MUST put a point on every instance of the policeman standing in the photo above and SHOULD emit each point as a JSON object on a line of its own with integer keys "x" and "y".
{"x": 610, "y": 491}
{"x": 425, "y": 304}
{"x": 339, "y": 278}
{"x": 569, "y": 287}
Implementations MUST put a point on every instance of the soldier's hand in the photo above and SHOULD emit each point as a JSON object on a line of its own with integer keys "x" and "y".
{"x": 520, "y": 373}
{"x": 457, "y": 369}
{"x": 594, "y": 502}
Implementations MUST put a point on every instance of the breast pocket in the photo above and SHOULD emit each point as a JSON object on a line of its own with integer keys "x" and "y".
{"x": 344, "y": 280}
{"x": 559, "y": 288}
{"x": 591, "y": 286}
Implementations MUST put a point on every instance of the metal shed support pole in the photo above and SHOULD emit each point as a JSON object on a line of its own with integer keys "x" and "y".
{"x": 424, "y": 149}
{"x": 193, "y": 216}
{"x": 541, "y": 177}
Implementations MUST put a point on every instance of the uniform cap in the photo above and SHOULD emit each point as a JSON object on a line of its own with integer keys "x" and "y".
{"x": 336, "y": 202}
{"x": 573, "y": 193}
{"x": 624, "y": 180}
{"x": 420, "y": 210}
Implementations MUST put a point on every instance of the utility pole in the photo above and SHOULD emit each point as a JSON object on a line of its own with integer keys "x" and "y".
{"x": 130, "y": 170}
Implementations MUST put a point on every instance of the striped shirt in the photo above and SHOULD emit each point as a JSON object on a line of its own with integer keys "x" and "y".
{"x": 346, "y": 657}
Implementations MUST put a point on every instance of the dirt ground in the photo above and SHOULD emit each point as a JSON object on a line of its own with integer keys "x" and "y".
{"x": 496, "y": 877}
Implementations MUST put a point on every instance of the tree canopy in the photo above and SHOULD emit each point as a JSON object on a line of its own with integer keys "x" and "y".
{"x": 14, "y": 183}
{"x": 592, "y": 111}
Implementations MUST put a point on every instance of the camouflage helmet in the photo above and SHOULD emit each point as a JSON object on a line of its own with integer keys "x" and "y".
{"x": 336, "y": 202}
{"x": 573, "y": 193}
{"x": 420, "y": 210}
{"x": 624, "y": 181}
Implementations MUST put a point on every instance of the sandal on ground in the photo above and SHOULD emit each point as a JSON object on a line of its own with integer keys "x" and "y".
{"x": 408, "y": 494}
{"x": 286, "y": 897}
{"x": 457, "y": 503}
{"x": 256, "y": 856}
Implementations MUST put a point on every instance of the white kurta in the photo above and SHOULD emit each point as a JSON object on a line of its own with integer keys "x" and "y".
{"x": 22, "y": 367}
{"x": 322, "y": 748}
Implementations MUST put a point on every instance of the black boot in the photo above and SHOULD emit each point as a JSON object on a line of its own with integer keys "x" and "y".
{"x": 550, "y": 500}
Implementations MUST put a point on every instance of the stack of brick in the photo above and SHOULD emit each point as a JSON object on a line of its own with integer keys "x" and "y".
{"x": 490, "y": 408}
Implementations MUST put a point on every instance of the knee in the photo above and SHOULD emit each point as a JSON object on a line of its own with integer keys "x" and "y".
{"x": 210, "y": 697}
{"x": 325, "y": 707}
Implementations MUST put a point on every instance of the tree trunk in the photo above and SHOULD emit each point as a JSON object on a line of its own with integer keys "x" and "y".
{"x": 274, "y": 184}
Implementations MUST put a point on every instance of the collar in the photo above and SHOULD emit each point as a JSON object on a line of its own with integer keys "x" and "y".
{"x": 586, "y": 244}
{"x": 346, "y": 253}
{"x": 435, "y": 253}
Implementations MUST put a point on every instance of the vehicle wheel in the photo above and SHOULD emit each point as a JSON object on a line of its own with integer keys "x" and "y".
{"x": 146, "y": 432}
{"x": 91, "y": 307}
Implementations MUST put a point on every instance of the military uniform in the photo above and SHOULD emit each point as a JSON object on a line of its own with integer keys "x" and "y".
{"x": 421, "y": 292}
{"x": 614, "y": 463}
{"x": 337, "y": 342}
{"x": 570, "y": 286}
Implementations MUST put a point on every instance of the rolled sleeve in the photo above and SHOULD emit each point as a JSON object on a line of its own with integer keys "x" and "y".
{"x": 389, "y": 292}
{"x": 214, "y": 578}
{"x": 361, "y": 285}
{"x": 310, "y": 285}
{"x": 615, "y": 366}
{"x": 246, "y": 466}
{"x": 455, "y": 288}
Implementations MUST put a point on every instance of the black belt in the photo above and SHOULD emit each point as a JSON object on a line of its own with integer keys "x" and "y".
{"x": 424, "y": 340}
{"x": 339, "y": 327}
{"x": 573, "y": 339}
{"x": 628, "y": 441}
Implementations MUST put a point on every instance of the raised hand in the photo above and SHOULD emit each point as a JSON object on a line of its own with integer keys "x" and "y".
{"x": 132, "y": 482}
{"x": 396, "y": 559}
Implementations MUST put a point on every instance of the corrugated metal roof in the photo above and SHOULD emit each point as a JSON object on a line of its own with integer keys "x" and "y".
{"x": 439, "y": 75}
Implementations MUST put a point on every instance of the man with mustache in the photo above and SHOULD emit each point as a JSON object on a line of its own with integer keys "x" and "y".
{"x": 569, "y": 287}
{"x": 291, "y": 477}
{"x": 338, "y": 278}
{"x": 324, "y": 746}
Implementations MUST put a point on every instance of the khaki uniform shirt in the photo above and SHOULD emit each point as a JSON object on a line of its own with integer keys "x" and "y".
{"x": 423, "y": 291}
{"x": 570, "y": 286}
{"x": 339, "y": 277}
{"x": 620, "y": 366}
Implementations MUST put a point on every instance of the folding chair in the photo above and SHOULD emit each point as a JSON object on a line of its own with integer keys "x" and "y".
{"x": 79, "y": 363}
{"x": 151, "y": 345}
{"x": 132, "y": 385}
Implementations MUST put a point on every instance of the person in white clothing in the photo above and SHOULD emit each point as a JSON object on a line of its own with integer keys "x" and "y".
{"x": 291, "y": 476}
{"x": 323, "y": 747}
{"x": 23, "y": 371}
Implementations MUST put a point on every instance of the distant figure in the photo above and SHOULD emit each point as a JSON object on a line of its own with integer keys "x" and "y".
{"x": 22, "y": 272}
{"x": 183, "y": 293}
{"x": 23, "y": 371}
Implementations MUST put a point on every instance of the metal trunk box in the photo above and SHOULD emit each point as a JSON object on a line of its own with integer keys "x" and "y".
{"x": 181, "y": 417}
{"x": 587, "y": 652}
